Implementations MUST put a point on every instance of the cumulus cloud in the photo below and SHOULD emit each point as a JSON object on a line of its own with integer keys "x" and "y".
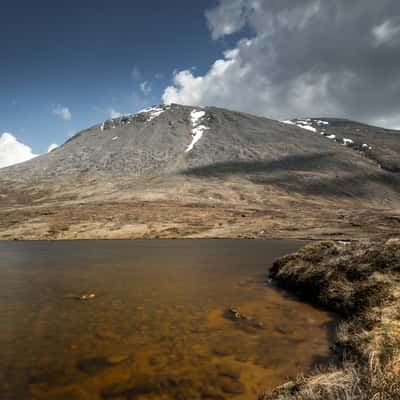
{"x": 145, "y": 87}
{"x": 229, "y": 17}
{"x": 303, "y": 58}
{"x": 387, "y": 32}
{"x": 63, "y": 112}
{"x": 52, "y": 147}
{"x": 12, "y": 151}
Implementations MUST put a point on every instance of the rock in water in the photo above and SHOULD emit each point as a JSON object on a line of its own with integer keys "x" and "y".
{"x": 89, "y": 296}
{"x": 245, "y": 322}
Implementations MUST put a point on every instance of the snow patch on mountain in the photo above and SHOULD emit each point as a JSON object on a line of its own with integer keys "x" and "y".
{"x": 196, "y": 116}
{"x": 306, "y": 124}
{"x": 154, "y": 112}
{"x": 321, "y": 123}
{"x": 366, "y": 146}
{"x": 347, "y": 142}
{"x": 324, "y": 128}
{"x": 52, "y": 147}
{"x": 308, "y": 128}
{"x": 146, "y": 115}
{"x": 289, "y": 122}
{"x": 198, "y": 128}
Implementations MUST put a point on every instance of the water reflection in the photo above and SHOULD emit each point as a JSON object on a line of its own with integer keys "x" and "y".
{"x": 161, "y": 325}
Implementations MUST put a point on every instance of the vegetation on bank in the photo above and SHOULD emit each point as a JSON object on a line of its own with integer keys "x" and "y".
{"x": 360, "y": 281}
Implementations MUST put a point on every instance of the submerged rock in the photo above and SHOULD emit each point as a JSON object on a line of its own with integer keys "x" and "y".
{"x": 247, "y": 323}
{"x": 130, "y": 389}
{"x": 87, "y": 296}
{"x": 117, "y": 359}
{"x": 283, "y": 329}
{"x": 228, "y": 371}
{"x": 140, "y": 387}
{"x": 153, "y": 361}
{"x": 67, "y": 394}
{"x": 233, "y": 314}
{"x": 96, "y": 365}
{"x": 211, "y": 394}
{"x": 232, "y": 386}
{"x": 93, "y": 366}
{"x": 45, "y": 374}
{"x": 108, "y": 335}
{"x": 222, "y": 350}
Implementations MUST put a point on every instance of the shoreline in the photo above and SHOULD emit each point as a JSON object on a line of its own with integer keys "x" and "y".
{"x": 147, "y": 239}
{"x": 361, "y": 283}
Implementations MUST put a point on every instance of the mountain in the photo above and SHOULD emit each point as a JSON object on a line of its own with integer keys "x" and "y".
{"x": 175, "y": 170}
{"x": 378, "y": 144}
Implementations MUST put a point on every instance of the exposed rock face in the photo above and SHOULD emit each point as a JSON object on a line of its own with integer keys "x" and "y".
{"x": 181, "y": 156}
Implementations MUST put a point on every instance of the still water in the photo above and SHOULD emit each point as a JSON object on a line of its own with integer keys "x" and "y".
{"x": 161, "y": 325}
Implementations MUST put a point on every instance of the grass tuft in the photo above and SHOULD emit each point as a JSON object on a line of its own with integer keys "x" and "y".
{"x": 361, "y": 281}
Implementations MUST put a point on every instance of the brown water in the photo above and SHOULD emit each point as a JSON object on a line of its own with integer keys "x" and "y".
{"x": 158, "y": 327}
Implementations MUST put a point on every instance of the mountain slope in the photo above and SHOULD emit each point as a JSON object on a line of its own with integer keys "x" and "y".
{"x": 190, "y": 171}
{"x": 378, "y": 144}
{"x": 158, "y": 140}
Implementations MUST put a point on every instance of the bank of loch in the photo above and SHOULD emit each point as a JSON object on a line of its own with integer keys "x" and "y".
{"x": 360, "y": 281}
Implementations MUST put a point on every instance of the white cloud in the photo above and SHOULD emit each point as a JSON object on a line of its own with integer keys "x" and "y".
{"x": 386, "y": 32}
{"x": 52, "y": 147}
{"x": 231, "y": 82}
{"x": 12, "y": 151}
{"x": 245, "y": 78}
{"x": 228, "y": 18}
{"x": 136, "y": 73}
{"x": 63, "y": 112}
{"x": 145, "y": 87}
{"x": 231, "y": 16}
{"x": 114, "y": 114}
{"x": 303, "y": 58}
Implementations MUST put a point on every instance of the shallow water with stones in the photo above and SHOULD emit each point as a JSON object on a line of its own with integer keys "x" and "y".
{"x": 160, "y": 326}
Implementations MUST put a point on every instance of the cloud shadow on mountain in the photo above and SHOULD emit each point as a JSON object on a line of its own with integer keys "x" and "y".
{"x": 310, "y": 174}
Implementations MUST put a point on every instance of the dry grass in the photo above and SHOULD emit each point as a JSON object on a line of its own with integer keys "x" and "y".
{"x": 362, "y": 282}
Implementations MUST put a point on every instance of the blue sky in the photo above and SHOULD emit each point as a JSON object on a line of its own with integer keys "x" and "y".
{"x": 81, "y": 55}
{"x": 68, "y": 65}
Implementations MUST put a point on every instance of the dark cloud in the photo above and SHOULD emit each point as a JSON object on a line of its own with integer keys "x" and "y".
{"x": 308, "y": 57}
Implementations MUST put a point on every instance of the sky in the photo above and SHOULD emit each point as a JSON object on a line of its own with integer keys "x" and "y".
{"x": 67, "y": 66}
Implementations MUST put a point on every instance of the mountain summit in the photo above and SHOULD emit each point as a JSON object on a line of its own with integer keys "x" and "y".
{"x": 171, "y": 157}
